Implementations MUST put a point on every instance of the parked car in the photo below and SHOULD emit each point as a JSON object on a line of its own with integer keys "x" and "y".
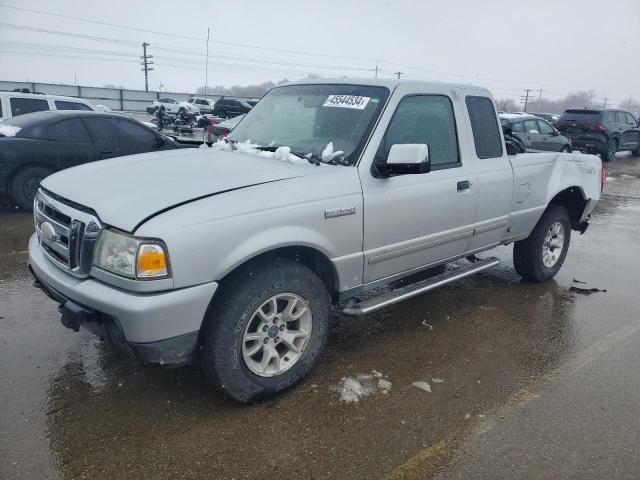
{"x": 253, "y": 102}
{"x": 603, "y": 132}
{"x": 232, "y": 256}
{"x": 549, "y": 117}
{"x": 34, "y": 146}
{"x": 13, "y": 104}
{"x": 205, "y": 105}
{"x": 222, "y": 129}
{"x": 171, "y": 106}
{"x": 231, "y": 107}
{"x": 536, "y": 133}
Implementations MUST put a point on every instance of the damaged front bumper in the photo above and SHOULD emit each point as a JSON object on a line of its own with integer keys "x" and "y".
{"x": 157, "y": 327}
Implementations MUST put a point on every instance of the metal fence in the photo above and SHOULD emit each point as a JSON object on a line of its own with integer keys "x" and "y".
{"x": 114, "y": 98}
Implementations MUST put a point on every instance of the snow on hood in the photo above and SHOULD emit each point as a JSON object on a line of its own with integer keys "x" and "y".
{"x": 9, "y": 130}
{"x": 124, "y": 191}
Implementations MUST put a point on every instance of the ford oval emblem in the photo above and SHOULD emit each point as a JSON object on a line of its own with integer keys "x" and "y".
{"x": 48, "y": 232}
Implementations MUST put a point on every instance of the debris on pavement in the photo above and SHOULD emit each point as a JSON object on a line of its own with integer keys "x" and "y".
{"x": 424, "y": 322}
{"x": 362, "y": 385}
{"x": 422, "y": 386}
{"x": 579, "y": 281}
{"x": 586, "y": 291}
{"x": 437, "y": 380}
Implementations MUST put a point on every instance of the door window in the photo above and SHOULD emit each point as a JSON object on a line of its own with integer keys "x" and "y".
{"x": 20, "y": 106}
{"x": 425, "y": 119}
{"x": 517, "y": 127}
{"x": 621, "y": 117}
{"x": 64, "y": 105}
{"x": 531, "y": 126}
{"x": 136, "y": 132}
{"x": 71, "y": 130}
{"x": 544, "y": 128}
{"x": 105, "y": 131}
{"x": 484, "y": 124}
{"x": 630, "y": 119}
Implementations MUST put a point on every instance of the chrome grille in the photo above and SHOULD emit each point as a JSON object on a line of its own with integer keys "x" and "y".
{"x": 66, "y": 234}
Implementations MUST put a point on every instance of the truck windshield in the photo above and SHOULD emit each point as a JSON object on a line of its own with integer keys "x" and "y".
{"x": 307, "y": 118}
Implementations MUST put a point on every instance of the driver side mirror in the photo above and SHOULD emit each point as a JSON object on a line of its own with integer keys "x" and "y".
{"x": 407, "y": 158}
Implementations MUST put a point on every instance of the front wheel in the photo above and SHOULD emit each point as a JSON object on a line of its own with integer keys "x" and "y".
{"x": 265, "y": 329}
{"x": 25, "y": 185}
{"x": 566, "y": 149}
{"x": 539, "y": 257}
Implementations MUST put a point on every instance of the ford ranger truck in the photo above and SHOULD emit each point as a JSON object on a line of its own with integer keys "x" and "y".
{"x": 230, "y": 256}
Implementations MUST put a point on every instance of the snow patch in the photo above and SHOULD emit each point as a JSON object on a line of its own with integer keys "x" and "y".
{"x": 437, "y": 380}
{"x": 328, "y": 154}
{"x": 353, "y": 388}
{"x": 9, "y": 130}
{"x": 422, "y": 386}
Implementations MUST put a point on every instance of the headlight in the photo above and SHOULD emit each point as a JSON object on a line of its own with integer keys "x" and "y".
{"x": 131, "y": 256}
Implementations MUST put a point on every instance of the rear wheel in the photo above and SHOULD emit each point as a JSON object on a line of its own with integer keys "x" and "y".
{"x": 265, "y": 329}
{"x": 566, "y": 149}
{"x": 610, "y": 153}
{"x": 539, "y": 257}
{"x": 25, "y": 185}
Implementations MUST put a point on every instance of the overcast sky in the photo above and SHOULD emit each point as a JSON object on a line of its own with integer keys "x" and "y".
{"x": 507, "y": 46}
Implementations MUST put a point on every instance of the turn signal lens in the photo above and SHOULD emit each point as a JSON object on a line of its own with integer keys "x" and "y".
{"x": 152, "y": 261}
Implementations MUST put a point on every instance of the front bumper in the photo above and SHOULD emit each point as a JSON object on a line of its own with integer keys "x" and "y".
{"x": 158, "y": 327}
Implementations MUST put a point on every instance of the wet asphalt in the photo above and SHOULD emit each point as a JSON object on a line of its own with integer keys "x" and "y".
{"x": 538, "y": 381}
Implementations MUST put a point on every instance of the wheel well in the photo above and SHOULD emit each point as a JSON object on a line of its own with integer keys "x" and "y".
{"x": 23, "y": 167}
{"x": 573, "y": 200}
{"x": 310, "y": 257}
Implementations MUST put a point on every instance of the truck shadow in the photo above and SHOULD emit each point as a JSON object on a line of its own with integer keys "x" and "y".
{"x": 485, "y": 337}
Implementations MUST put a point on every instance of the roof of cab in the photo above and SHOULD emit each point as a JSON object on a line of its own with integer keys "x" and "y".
{"x": 390, "y": 83}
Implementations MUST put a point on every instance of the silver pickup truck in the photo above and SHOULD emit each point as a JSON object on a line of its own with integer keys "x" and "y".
{"x": 232, "y": 255}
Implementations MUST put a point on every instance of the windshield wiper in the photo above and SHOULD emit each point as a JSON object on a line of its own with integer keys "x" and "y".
{"x": 310, "y": 157}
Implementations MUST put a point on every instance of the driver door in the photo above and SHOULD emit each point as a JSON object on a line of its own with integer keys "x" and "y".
{"x": 413, "y": 220}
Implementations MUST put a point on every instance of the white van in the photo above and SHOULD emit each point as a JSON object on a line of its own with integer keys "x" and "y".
{"x": 13, "y": 104}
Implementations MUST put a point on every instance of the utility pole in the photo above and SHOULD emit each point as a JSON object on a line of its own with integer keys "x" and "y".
{"x": 525, "y": 98}
{"x": 376, "y": 68}
{"x": 145, "y": 65}
{"x": 206, "y": 67}
{"x": 398, "y": 74}
{"x": 604, "y": 105}
{"x": 540, "y": 97}
{"x": 629, "y": 103}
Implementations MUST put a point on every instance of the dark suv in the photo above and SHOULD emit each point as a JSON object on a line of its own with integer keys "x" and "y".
{"x": 230, "y": 107}
{"x": 603, "y": 132}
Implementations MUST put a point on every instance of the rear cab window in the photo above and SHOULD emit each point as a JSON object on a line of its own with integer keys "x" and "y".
{"x": 485, "y": 128}
{"x": 21, "y": 106}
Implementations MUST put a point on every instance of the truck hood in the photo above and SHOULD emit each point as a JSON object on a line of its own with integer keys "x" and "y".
{"x": 126, "y": 191}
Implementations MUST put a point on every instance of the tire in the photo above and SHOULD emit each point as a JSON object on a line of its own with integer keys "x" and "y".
{"x": 182, "y": 110}
{"x": 636, "y": 152}
{"x": 610, "y": 153}
{"x": 25, "y": 184}
{"x": 565, "y": 149}
{"x": 529, "y": 254}
{"x": 224, "y": 351}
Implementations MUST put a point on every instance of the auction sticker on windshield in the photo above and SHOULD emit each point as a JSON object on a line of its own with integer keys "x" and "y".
{"x": 347, "y": 101}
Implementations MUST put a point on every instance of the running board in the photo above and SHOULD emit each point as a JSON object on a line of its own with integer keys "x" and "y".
{"x": 417, "y": 288}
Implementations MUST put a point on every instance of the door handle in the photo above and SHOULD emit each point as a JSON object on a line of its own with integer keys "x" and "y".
{"x": 106, "y": 151}
{"x": 464, "y": 185}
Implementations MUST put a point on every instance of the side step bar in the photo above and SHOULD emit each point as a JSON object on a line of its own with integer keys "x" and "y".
{"x": 400, "y": 294}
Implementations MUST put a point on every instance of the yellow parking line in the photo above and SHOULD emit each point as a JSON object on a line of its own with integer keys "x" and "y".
{"x": 417, "y": 464}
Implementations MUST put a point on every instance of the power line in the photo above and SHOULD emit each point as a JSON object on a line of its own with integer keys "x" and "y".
{"x": 184, "y": 37}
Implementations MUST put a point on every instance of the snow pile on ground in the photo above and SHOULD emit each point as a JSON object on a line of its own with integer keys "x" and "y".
{"x": 422, "y": 386}
{"x": 362, "y": 385}
{"x": 9, "y": 130}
